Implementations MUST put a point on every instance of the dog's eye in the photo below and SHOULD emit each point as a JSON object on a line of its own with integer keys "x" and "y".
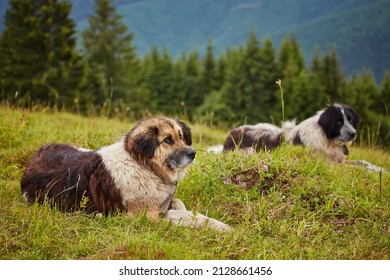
{"x": 339, "y": 123}
{"x": 168, "y": 140}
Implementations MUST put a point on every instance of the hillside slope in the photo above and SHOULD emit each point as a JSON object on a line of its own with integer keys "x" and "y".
{"x": 287, "y": 204}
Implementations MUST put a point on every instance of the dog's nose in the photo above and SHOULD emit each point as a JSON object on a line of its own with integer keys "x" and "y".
{"x": 191, "y": 153}
{"x": 352, "y": 134}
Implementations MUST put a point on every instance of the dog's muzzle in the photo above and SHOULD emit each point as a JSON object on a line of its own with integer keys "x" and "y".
{"x": 347, "y": 132}
{"x": 182, "y": 158}
{"x": 348, "y": 135}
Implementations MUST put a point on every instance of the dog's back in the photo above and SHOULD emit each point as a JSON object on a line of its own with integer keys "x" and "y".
{"x": 59, "y": 174}
{"x": 259, "y": 136}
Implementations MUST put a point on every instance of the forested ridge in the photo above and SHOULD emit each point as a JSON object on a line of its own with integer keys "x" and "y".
{"x": 357, "y": 28}
{"x": 41, "y": 65}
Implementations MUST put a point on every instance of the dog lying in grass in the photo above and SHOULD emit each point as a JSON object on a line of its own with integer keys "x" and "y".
{"x": 139, "y": 173}
{"x": 328, "y": 131}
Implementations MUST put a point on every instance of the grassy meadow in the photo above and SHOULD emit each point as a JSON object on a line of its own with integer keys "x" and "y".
{"x": 288, "y": 204}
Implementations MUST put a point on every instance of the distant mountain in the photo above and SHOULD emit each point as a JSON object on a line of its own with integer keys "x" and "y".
{"x": 359, "y": 29}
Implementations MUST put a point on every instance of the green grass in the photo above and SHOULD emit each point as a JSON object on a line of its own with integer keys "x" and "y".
{"x": 288, "y": 204}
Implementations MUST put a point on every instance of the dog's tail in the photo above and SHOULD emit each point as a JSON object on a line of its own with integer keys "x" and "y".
{"x": 288, "y": 129}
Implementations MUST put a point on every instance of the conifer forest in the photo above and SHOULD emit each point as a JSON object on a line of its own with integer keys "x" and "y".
{"x": 45, "y": 63}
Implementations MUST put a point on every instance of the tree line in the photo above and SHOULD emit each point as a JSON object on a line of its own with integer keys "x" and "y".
{"x": 41, "y": 64}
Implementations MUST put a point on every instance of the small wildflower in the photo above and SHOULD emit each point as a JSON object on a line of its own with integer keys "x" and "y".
{"x": 265, "y": 168}
{"x": 227, "y": 181}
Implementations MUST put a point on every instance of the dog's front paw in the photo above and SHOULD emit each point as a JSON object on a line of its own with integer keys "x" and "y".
{"x": 177, "y": 204}
{"x": 217, "y": 225}
{"x": 187, "y": 218}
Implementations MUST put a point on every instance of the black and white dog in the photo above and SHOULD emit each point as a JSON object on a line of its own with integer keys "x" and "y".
{"x": 328, "y": 131}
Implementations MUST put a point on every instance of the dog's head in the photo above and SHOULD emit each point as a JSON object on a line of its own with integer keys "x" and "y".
{"x": 339, "y": 123}
{"x": 162, "y": 143}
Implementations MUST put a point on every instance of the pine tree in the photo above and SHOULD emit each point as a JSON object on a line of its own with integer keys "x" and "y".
{"x": 165, "y": 72}
{"x": 192, "y": 76}
{"x": 232, "y": 90}
{"x": 301, "y": 97}
{"x": 253, "y": 95}
{"x": 38, "y": 53}
{"x": 296, "y": 53}
{"x": 178, "y": 89}
{"x": 383, "y": 102}
{"x": 333, "y": 79}
{"x": 269, "y": 74}
{"x": 361, "y": 91}
{"x": 383, "y": 108}
{"x": 207, "y": 81}
{"x": 159, "y": 80}
{"x": 220, "y": 72}
{"x": 17, "y": 43}
{"x": 290, "y": 63}
{"x": 109, "y": 48}
{"x": 290, "y": 53}
{"x": 316, "y": 96}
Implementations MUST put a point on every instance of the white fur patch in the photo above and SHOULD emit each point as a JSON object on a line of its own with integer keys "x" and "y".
{"x": 215, "y": 149}
{"x": 82, "y": 149}
{"x": 312, "y": 136}
{"x": 347, "y": 129}
{"x": 309, "y": 132}
{"x": 135, "y": 182}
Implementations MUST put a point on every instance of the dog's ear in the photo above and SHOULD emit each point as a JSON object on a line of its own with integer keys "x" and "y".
{"x": 145, "y": 143}
{"x": 186, "y": 132}
{"x": 352, "y": 116}
{"x": 331, "y": 120}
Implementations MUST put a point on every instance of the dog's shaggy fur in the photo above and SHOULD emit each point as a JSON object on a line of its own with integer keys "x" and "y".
{"x": 137, "y": 174}
{"x": 329, "y": 131}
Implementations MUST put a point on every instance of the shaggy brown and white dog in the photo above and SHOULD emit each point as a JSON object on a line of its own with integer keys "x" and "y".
{"x": 329, "y": 131}
{"x": 139, "y": 173}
